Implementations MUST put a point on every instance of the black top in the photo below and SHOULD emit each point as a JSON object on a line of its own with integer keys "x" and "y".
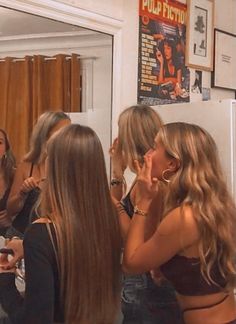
{"x": 127, "y": 204}
{"x": 3, "y": 205}
{"x": 167, "y": 73}
{"x": 185, "y": 275}
{"x": 41, "y": 302}
{"x": 3, "y": 200}
{"x": 27, "y": 213}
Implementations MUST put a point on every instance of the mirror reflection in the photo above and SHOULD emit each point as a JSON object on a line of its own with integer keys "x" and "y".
{"x": 49, "y": 65}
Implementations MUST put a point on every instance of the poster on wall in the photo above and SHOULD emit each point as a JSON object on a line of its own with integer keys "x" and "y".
{"x": 163, "y": 77}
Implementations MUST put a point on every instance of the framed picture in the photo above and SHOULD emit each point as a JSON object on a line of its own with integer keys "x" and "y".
{"x": 200, "y": 24}
{"x": 224, "y": 75}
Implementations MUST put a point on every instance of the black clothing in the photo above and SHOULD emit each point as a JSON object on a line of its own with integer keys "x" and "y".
{"x": 27, "y": 214}
{"x": 3, "y": 205}
{"x": 3, "y": 200}
{"x": 185, "y": 275}
{"x": 41, "y": 302}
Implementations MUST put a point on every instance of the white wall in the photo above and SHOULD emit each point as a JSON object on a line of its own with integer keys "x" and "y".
{"x": 110, "y": 8}
{"x": 127, "y": 11}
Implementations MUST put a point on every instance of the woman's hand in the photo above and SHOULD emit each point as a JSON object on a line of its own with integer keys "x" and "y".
{"x": 9, "y": 263}
{"x": 12, "y": 270}
{"x": 117, "y": 160}
{"x": 146, "y": 186}
{"x": 159, "y": 57}
{"x": 28, "y": 184}
{"x": 4, "y": 219}
{"x": 157, "y": 277}
{"x": 178, "y": 90}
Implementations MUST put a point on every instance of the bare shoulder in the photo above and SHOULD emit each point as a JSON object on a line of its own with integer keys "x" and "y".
{"x": 23, "y": 168}
{"x": 180, "y": 220}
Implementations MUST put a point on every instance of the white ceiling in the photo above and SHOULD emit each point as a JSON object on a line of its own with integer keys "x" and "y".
{"x": 13, "y": 23}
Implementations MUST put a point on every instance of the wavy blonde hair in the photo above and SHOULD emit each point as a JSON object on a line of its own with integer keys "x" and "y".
{"x": 199, "y": 182}
{"x": 138, "y": 126}
{"x": 76, "y": 199}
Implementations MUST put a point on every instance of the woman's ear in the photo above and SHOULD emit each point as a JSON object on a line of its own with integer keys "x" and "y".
{"x": 174, "y": 164}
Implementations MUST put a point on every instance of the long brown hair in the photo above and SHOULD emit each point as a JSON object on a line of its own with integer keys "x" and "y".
{"x": 77, "y": 200}
{"x": 8, "y": 162}
{"x": 200, "y": 182}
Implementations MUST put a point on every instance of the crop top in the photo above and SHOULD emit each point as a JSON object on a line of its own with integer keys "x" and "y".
{"x": 167, "y": 73}
{"x": 185, "y": 275}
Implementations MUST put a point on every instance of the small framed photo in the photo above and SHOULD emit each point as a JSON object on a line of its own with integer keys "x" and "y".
{"x": 224, "y": 75}
{"x": 200, "y": 26}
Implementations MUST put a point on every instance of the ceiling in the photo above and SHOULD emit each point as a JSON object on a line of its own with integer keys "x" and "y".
{"x": 13, "y": 23}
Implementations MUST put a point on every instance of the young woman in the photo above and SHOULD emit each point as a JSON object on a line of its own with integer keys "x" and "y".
{"x": 30, "y": 174}
{"x": 7, "y": 169}
{"x": 72, "y": 253}
{"x": 142, "y": 300}
{"x": 170, "y": 67}
{"x": 194, "y": 245}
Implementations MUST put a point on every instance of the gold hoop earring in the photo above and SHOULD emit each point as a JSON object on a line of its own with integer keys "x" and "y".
{"x": 163, "y": 175}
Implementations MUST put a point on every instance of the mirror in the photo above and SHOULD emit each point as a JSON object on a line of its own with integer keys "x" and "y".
{"x": 31, "y": 38}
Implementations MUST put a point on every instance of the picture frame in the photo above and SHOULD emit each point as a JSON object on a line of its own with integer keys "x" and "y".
{"x": 200, "y": 31}
{"x": 223, "y": 75}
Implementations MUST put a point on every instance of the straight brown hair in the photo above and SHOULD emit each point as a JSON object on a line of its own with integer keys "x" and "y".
{"x": 76, "y": 199}
{"x": 8, "y": 162}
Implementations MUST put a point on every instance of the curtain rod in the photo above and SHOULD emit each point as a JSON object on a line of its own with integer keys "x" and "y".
{"x": 52, "y": 58}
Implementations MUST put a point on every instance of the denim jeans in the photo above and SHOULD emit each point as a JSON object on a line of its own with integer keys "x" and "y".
{"x": 143, "y": 302}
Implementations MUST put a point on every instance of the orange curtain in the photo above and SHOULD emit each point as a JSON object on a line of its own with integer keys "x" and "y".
{"x": 32, "y": 86}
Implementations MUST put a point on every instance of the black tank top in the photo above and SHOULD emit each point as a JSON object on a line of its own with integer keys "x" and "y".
{"x": 27, "y": 213}
{"x": 3, "y": 200}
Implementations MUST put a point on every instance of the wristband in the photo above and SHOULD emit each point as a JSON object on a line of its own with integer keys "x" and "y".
{"x": 140, "y": 211}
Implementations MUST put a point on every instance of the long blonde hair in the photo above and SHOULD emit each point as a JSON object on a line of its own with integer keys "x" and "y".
{"x": 200, "y": 182}
{"x": 41, "y": 131}
{"x": 77, "y": 200}
{"x": 138, "y": 126}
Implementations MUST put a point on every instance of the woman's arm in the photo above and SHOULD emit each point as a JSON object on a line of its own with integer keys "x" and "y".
{"x": 38, "y": 305}
{"x": 118, "y": 167}
{"x": 16, "y": 245}
{"x": 22, "y": 184}
{"x": 179, "y": 77}
{"x": 178, "y": 85}
{"x": 160, "y": 58}
{"x": 176, "y": 231}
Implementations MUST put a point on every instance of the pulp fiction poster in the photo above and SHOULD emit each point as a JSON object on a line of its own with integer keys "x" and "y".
{"x": 163, "y": 77}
